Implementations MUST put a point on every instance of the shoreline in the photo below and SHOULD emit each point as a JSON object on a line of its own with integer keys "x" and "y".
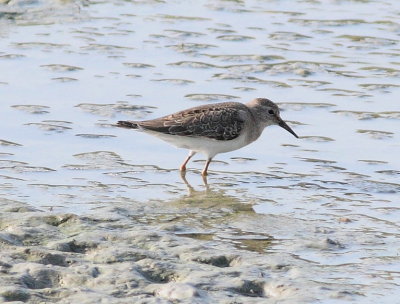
{"x": 188, "y": 251}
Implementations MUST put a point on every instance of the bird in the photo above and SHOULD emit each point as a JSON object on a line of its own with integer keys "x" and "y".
{"x": 213, "y": 128}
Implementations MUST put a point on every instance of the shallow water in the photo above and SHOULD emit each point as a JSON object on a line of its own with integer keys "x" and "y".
{"x": 329, "y": 199}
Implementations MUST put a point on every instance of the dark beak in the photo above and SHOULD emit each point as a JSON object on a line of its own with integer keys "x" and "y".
{"x": 286, "y": 127}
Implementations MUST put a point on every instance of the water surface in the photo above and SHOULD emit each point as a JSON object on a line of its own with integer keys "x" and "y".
{"x": 329, "y": 199}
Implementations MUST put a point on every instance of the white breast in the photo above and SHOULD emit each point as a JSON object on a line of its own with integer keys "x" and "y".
{"x": 208, "y": 147}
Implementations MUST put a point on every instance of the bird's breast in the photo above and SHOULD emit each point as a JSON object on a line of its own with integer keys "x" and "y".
{"x": 207, "y": 146}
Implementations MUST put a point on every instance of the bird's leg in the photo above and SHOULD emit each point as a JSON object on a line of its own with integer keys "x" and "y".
{"x": 204, "y": 172}
{"x": 190, "y": 189}
{"x": 205, "y": 182}
{"x": 183, "y": 166}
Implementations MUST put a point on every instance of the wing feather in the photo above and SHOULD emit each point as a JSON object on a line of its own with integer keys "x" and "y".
{"x": 221, "y": 122}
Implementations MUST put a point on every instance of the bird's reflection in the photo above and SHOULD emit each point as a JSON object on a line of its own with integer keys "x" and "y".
{"x": 212, "y": 213}
{"x": 191, "y": 190}
{"x": 213, "y": 195}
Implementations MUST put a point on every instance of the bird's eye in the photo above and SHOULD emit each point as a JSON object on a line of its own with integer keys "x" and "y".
{"x": 271, "y": 112}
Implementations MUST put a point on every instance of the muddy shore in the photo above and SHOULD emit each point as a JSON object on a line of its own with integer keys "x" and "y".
{"x": 191, "y": 250}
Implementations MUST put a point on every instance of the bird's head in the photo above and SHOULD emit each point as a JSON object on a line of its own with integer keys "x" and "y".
{"x": 268, "y": 112}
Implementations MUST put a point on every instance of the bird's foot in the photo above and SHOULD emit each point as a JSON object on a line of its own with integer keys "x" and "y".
{"x": 204, "y": 176}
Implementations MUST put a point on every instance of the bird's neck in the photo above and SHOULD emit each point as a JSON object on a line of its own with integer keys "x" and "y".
{"x": 256, "y": 125}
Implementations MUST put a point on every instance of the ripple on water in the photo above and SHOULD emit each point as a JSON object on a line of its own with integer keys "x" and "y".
{"x": 316, "y": 160}
{"x": 41, "y": 45}
{"x": 244, "y": 89}
{"x": 389, "y": 172}
{"x": 210, "y": 97}
{"x": 88, "y": 32}
{"x": 183, "y": 34}
{"x": 372, "y": 162}
{"x": 12, "y": 56}
{"x": 64, "y": 79}
{"x": 375, "y": 134}
{"x": 291, "y": 36}
{"x": 61, "y": 67}
{"x": 138, "y": 65}
{"x": 317, "y": 138}
{"x": 98, "y": 160}
{"x": 5, "y": 154}
{"x": 110, "y": 110}
{"x": 369, "y": 41}
{"x": 49, "y": 126}
{"x": 95, "y": 136}
{"x": 8, "y": 143}
{"x": 243, "y": 159}
{"x": 130, "y": 76}
{"x": 235, "y": 37}
{"x": 181, "y": 18}
{"x": 288, "y": 13}
{"x": 374, "y": 186}
{"x": 382, "y": 71}
{"x": 379, "y": 86}
{"x": 110, "y": 48}
{"x": 250, "y": 79}
{"x": 310, "y": 83}
{"x": 174, "y": 81}
{"x": 327, "y": 22}
{"x": 361, "y": 115}
{"x": 21, "y": 167}
{"x": 190, "y": 47}
{"x": 300, "y": 106}
{"x": 193, "y": 64}
{"x": 221, "y": 30}
{"x": 300, "y": 68}
{"x": 32, "y": 109}
{"x": 244, "y": 57}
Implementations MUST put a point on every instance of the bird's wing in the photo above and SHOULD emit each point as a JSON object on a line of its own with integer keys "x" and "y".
{"x": 219, "y": 122}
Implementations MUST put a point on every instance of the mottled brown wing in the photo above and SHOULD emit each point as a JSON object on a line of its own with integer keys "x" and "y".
{"x": 220, "y": 122}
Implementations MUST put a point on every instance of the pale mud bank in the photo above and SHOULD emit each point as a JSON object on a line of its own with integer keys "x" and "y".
{"x": 187, "y": 251}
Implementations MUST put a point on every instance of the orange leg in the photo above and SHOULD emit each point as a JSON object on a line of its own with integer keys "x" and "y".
{"x": 183, "y": 166}
{"x": 204, "y": 172}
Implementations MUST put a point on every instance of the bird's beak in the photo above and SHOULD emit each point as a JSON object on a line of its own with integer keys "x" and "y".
{"x": 284, "y": 125}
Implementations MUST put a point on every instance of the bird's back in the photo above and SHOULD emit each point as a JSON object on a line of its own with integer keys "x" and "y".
{"x": 221, "y": 121}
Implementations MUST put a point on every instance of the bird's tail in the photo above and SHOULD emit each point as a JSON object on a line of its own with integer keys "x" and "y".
{"x": 128, "y": 124}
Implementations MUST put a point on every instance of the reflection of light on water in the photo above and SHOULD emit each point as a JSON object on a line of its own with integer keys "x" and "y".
{"x": 69, "y": 78}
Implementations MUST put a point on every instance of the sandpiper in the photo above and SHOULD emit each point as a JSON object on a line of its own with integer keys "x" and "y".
{"x": 214, "y": 128}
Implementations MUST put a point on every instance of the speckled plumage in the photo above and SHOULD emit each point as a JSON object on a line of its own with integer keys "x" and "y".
{"x": 214, "y": 128}
{"x": 221, "y": 121}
